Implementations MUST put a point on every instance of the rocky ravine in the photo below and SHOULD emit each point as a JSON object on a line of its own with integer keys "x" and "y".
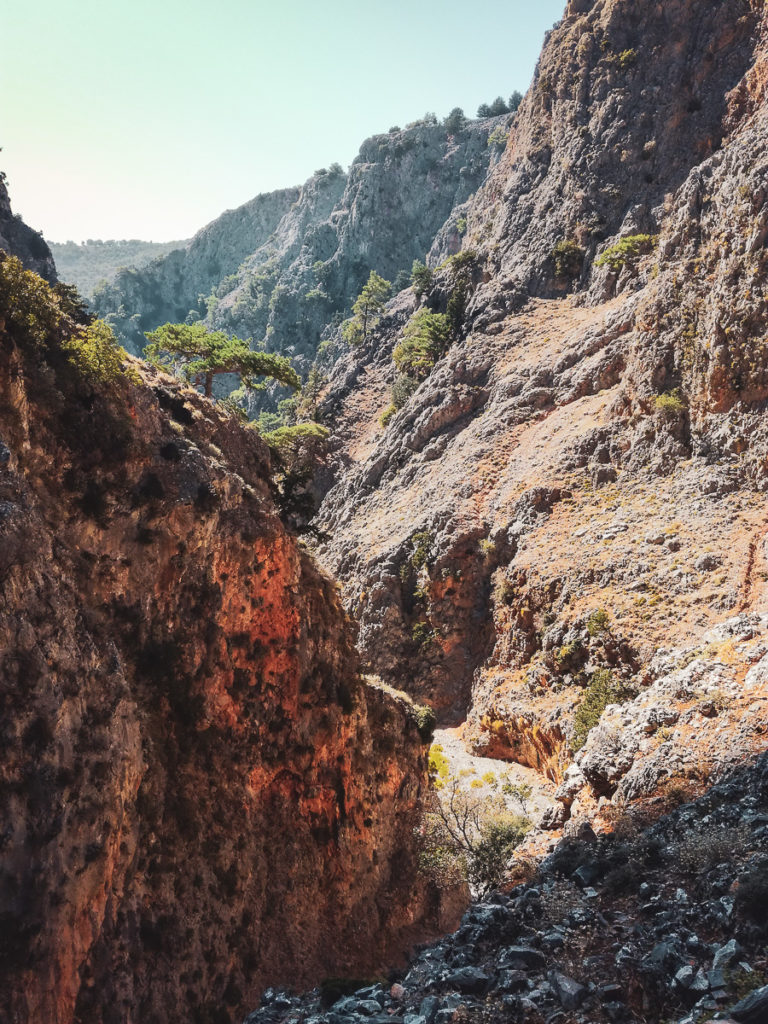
{"x": 200, "y": 795}
{"x": 657, "y": 921}
{"x": 282, "y": 266}
{"x": 579, "y": 482}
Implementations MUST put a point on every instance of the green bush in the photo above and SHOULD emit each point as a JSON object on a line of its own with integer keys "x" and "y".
{"x": 422, "y": 542}
{"x": 670, "y": 404}
{"x": 98, "y": 357}
{"x": 387, "y": 415}
{"x": 568, "y": 258}
{"x": 425, "y": 722}
{"x": 402, "y": 389}
{"x": 601, "y": 691}
{"x": 439, "y": 767}
{"x": 421, "y": 278}
{"x": 626, "y": 251}
{"x": 598, "y": 622}
{"x": 468, "y": 837}
{"x": 422, "y": 633}
{"x": 27, "y": 304}
{"x": 498, "y": 838}
{"x": 425, "y": 338}
{"x": 498, "y": 137}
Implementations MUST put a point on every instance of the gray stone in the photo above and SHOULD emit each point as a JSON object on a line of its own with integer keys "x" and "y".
{"x": 753, "y": 1009}
{"x": 570, "y": 992}
{"x": 587, "y": 874}
{"x": 684, "y": 977}
{"x": 521, "y": 958}
{"x": 428, "y": 1008}
{"x": 726, "y": 955}
{"x": 468, "y": 979}
{"x": 512, "y": 981}
{"x": 368, "y": 1007}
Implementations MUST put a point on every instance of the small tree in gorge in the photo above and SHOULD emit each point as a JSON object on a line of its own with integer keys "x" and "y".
{"x": 200, "y": 355}
{"x": 367, "y": 309}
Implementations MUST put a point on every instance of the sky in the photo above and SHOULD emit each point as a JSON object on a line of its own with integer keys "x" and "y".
{"x": 148, "y": 118}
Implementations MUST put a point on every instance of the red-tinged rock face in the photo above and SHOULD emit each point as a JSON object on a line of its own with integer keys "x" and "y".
{"x": 200, "y": 796}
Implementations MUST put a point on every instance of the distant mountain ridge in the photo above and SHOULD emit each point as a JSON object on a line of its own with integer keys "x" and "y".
{"x": 87, "y": 264}
{"x": 283, "y": 266}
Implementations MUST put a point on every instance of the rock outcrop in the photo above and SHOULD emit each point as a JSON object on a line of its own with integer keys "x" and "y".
{"x": 284, "y": 265}
{"x": 20, "y": 240}
{"x": 200, "y": 794}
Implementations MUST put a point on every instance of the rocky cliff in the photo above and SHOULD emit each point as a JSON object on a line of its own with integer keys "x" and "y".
{"x": 315, "y": 246}
{"x": 200, "y": 794}
{"x": 579, "y": 481}
{"x": 18, "y": 238}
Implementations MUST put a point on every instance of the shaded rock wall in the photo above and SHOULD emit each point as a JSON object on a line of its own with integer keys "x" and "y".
{"x": 200, "y": 796}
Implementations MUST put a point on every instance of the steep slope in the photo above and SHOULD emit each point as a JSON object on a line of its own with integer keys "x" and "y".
{"x": 86, "y": 264}
{"x": 200, "y": 795}
{"x": 323, "y": 240}
{"x": 580, "y": 479}
{"x": 22, "y": 241}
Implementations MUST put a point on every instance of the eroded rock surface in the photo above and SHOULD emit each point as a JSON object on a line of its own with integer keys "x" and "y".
{"x": 200, "y": 795}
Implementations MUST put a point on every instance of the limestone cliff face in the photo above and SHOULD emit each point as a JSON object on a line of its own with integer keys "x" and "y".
{"x": 199, "y": 793}
{"x": 20, "y": 240}
{"x": 594, "y": 439}
{"x": 286, "y": 282}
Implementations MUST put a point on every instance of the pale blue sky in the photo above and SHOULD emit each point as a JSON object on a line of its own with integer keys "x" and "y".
{"x": 148, "y": 118}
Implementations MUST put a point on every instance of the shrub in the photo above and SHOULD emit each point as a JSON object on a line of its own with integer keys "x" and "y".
{"x": 27, "y": 304}
{"x": 752, "y": 897}
{"x": 601, "y": 691}
{"x": 498, "y": 837}
{"x": 519, "y": 791}
{"x": 568, "y": 258}
{"x": 425, "y": 722}
{"x": 626, "y": 59}
{"x": 438, "y": 766}
{"x": 503, "y": 591}
{"x": 387, "y": 415}
{"x": 626, "y": 251}
{"x": 421, "y": 278}
{"x": 422, "y": 633}
{"x": 402, "y": 389}
{"x": 598, "y": 622}
{"x": 498, "y": 137}
{"x": 461, "y": 225}
{"x": 422, "y": 542}
{"x": 670, "y": 403}
{"x": 425, "y": 338}
{"x": 455, "y": 121}
{"x": 98, "y": 357}
{"x": 468, "y": 837}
